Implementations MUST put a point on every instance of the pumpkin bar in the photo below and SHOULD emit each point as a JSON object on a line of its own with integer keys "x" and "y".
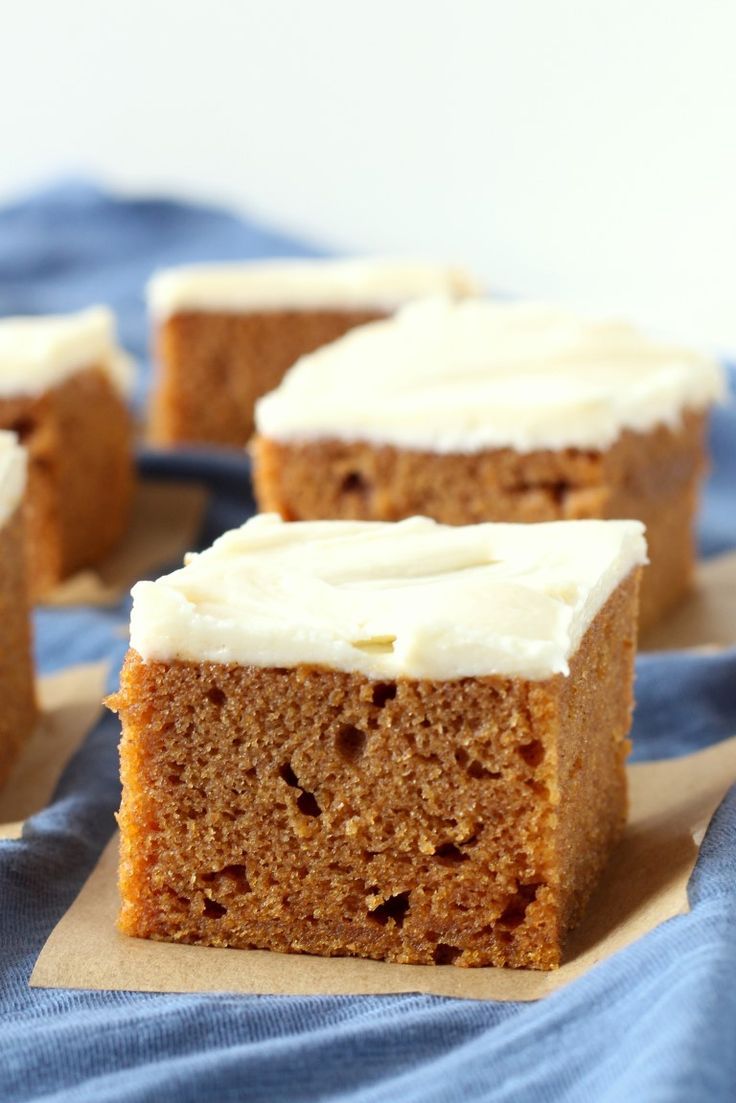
{"x": 395, "y": 741}
{"x": 225, "y": 334}
{"x": 17, "y": 697}
{"x": 63, "y": 381}
{"x": 476, "y": 411}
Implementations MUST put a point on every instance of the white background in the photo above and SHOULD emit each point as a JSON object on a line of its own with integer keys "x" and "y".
{"x": 576, "y": 149}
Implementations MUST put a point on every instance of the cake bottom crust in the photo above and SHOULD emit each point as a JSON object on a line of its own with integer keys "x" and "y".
{"x": 308, "y": 810}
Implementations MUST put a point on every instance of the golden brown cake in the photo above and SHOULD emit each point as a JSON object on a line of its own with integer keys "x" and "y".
{"x": 474, "y": 411}
{"x": 18, "y": 711}
{"x": 225, "y": 334}
{"x": 62, "y": 383}
{"x": 403, "y": 742}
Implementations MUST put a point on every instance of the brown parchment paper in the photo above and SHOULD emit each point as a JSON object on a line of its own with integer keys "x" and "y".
{"x": 70, "y": 703}
{"x": 644, "y": 885}
{"x": 707, "y": 618}
{"x": 164, "y": 523}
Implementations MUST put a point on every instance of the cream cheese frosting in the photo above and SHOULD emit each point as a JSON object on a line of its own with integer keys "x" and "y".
{"x": 364, "y": 284}
{"x": 465, "y": 376}
{"x": 413, "y": 599}
{"x": 12, "y": 474}
{"x": 39, "y": 352}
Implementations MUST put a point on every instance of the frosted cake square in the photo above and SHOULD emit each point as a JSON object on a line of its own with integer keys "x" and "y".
{"x": 396, "y": 741}
{"x": 62, "y": 384}
{"x": 476, "y": 411}
{"x": 225, "y": 334}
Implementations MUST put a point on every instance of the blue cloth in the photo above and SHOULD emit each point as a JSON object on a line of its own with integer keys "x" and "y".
{"x": 656, "y": 1022}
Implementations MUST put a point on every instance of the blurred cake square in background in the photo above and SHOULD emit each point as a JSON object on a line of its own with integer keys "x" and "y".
{"x": 470, "y": 411}
{"x": 63, "y": 385}
{"x": 224, "y": 334}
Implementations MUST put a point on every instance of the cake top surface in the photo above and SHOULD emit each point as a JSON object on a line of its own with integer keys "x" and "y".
{"x": 468, "y": 375}
{"x": 368, "y": 284}
{"x": 12, "y": 474}
{"x": 411, "y": 599}
{"x": 39, "y": 351}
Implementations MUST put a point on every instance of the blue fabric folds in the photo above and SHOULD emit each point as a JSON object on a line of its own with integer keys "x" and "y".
{"x": 656, "y": 1022}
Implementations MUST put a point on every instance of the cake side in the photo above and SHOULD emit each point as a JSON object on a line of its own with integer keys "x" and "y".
{"x": 359, "y": 481}
{"x": 591, "y": 771}
{"x": 312, "y": 810}
{"x": 213, "y": 366}
{"x": 656, "y": 477}
{"x": 96, "y": 475}
{"x": 78, "y": 435}
{"x": 19, "y": 711}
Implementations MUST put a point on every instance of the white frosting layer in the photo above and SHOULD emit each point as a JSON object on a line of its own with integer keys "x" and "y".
{"x": 303, "y": 285}
{"x": 38, "y": 352}
{"x": 413, "y": 599}
{"x": 465, "y": 376}
{"x": 12, "y": 474}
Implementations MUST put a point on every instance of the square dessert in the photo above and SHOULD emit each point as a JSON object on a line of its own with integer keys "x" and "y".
{"x": 394, "y": 741}
{"x": 475, "y": 411}
{"x": 225, "y": 334}
{"x": 18, "y": 712}
{"x": 63, "y": 381}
